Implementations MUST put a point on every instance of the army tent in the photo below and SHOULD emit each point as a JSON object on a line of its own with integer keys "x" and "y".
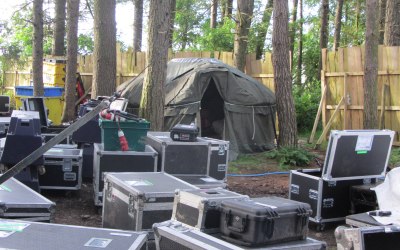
{"x": 224, "y": 102}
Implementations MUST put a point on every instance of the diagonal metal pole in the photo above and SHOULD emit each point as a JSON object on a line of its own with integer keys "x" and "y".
{"x": 51, "y": 143}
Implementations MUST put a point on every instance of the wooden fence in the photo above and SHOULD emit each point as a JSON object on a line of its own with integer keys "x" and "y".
{"x": 131, "y": 64}
{"x": 343, "y": 74}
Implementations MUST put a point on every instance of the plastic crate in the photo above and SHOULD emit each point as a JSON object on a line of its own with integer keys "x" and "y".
{"x": 48, "y": 91}
{"x": 54, "y": 68}
{"x": 54, "y": 80}
{"x": 135, "y": 133}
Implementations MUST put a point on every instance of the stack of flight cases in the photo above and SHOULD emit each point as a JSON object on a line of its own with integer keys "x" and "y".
{"x": 135, "y": 201}
{"x": 353, "y": 157}
{"x": 15, "y": 234}
{"x": 18, "y": 201}
{"x": 119, "y": 161}
{"x": 176, "y": 157}
{"x": 259, "y": 222}
{"x": 63, "y": 164}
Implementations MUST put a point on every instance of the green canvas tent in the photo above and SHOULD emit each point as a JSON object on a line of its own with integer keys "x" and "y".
{"x": 224, "y": 102}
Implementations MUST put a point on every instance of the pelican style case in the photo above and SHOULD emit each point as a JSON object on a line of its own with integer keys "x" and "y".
{"x": 119, "y": 161}
{"x": 219, "y": 156}
{"x": 202, "y": 181}
{"x": 18, "y": 201}
{"x": 176, "y": 235}
{"x": 134, "y": 201}
{"x": 63, "y": 169}
{"x": 200, "y": 208}
{"x": 183, "y": 132}
{"x": 16, "y": 234}
{"x": 368, "y": 238}
{"x": 353, "y": 157}
{"x": 177, "y": 157}
{"x": 263, "y": 221}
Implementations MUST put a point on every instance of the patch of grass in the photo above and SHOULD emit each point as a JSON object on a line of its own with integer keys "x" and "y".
{"x": 291, "y": 157}
{"x": 246, "y": 161}
{"x": 394, "y": 159}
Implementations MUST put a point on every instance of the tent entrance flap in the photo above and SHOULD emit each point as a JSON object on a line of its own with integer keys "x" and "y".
{"x": 212, "y": 112}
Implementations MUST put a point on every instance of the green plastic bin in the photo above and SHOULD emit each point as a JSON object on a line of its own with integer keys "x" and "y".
{"x": 135, "y": 133}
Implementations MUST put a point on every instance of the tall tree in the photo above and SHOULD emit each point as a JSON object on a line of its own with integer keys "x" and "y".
{"x": 214, "y": 12}
{"x": 243, "y": 21}
{"x": 104, "y": 54}
{"x": 137, "y": 25}
{"x": 263, "y": 28}
{"x": 59, "y": 28}
{"x": 292, "y": 29}
{"x": 37, "y": 46}
{"x": 153, "y": 96}
{"x": 371, "y": 67}
{"x": 172, "y": 23}
{"x": 282, "y": 76}
{"x": 300, "y": 45}
{"x": 72, "y": 53}
{"x": 338, "y": 24}
{"x": 382, "y": 16}
{"x": 324, "y": 34}
{"x": 392, "y": 23}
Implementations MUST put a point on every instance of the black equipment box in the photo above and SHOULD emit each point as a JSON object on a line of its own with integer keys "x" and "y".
{"x": 368, "y": 238}
{"x": 119, "y": 161}
{"x": 37, "y": 104}
{"x": 4, "y": 104}
{"x": 353, "y": 157}
{"x": 264, "y": 221}
{"x": 175, "y": 235}
{"x": 18, "y": 201}
{"x": 219, "y": 156}
{"x": 134, "y": 201}
{"x": 87, "y": 161}
{"x": 200, "y": 208}
{"x": 63, "y": 169}
{"x": 180, "y": 157}
{"x": 202, "y": 181}
{"x": 183, "y": 132}
{"x": 363, "y": 199}
{"x": 89, "y": 132}
{"x": 24, "y": 133}
{"x": 17, "y": 234}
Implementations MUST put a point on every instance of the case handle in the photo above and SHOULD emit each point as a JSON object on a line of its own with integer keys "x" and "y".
{"x": 269, "y": 228}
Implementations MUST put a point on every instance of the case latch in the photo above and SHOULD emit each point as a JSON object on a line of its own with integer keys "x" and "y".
{"x": 313, "y": 194}
{"x": 67, "y": 165}
{"x": 294, "y": 189}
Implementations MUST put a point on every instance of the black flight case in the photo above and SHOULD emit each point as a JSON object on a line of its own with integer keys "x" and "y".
{"x": 353, "y": 157}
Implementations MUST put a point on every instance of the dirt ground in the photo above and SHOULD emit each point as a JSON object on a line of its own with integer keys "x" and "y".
{"x": 77, "y": 207}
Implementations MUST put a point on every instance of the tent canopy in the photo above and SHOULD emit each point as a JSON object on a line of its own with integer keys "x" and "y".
{"x": 223, "y": 101}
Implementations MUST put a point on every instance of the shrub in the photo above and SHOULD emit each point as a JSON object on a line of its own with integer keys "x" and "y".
{"x": 290, "y": 157}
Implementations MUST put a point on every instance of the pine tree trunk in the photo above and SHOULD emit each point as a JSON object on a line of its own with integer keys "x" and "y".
{"x": 153, "y": 96}
{"x": 382, "y": 16}
{"x": 59, "y": 28}
{"x": 72, "y": 54}
{"x": 300, "y": 46}
{"x": 104, "y": 53}
{"x": 229, "y": 8}
{"x": 37, "y": 46}
{"x": 243, "y": 21}
{"x": 392, "y": 26}
{"x": 324, "y": 35}
{"x": 137, "y": 25}
{"x": 282, "y": 76}
{"x": 214, "y": 11}
{"x": 338, "y": 24}
{"x": 371, "y": 66}
{"x": 262, "y": 31}
{"x": 172, "y": 23}
{"x": 292, "y": 31}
